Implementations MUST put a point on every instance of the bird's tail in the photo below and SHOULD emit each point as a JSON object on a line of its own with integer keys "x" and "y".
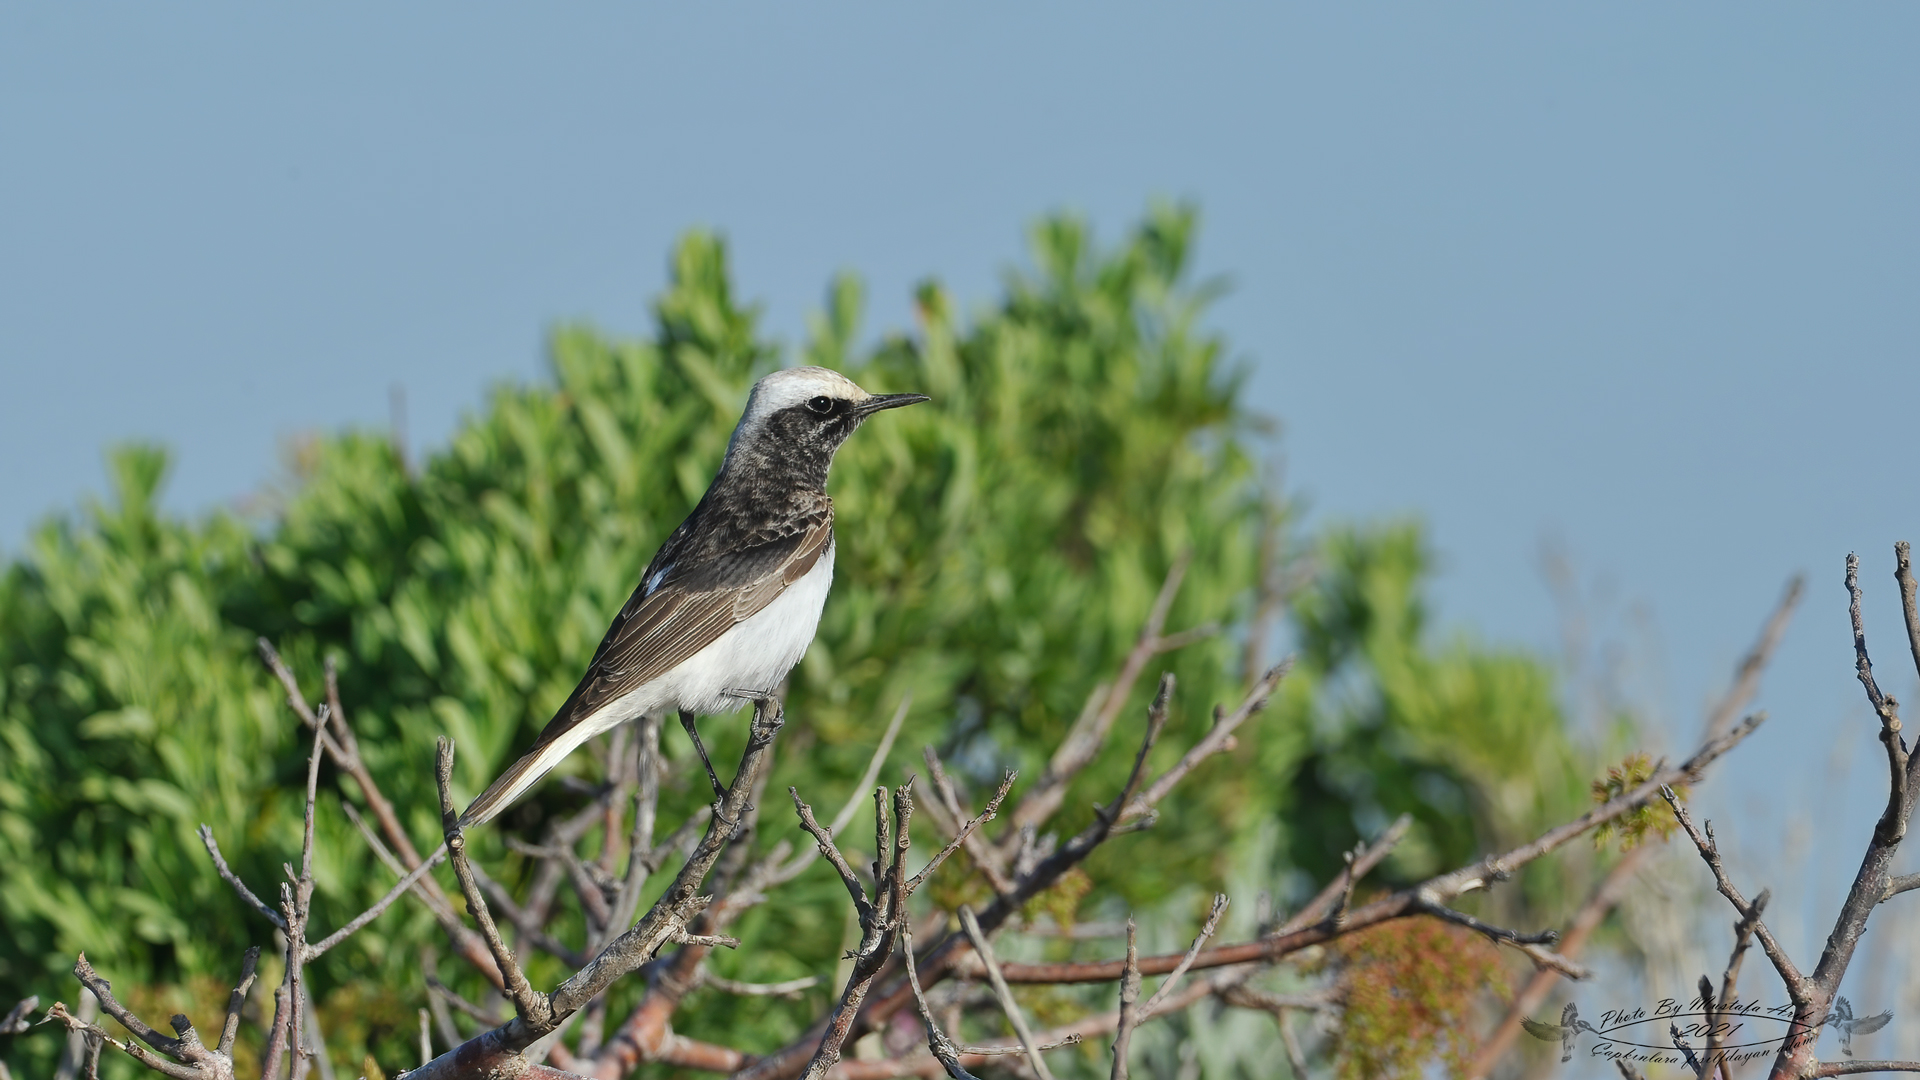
{"x": 514, "y": 783}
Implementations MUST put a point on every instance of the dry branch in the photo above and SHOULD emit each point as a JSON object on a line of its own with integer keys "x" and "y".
{"x": 1613, "y": 887}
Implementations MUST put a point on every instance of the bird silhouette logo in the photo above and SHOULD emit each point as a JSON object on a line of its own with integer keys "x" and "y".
{"x": 1569, "y": 1028}
{"x": 1844, "y": 1022}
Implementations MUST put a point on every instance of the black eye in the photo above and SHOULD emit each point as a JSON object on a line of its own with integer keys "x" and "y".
{"x": 822, "y": 404}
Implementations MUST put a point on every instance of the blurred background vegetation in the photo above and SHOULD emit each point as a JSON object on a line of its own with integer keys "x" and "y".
{"x": 999, "y": 550}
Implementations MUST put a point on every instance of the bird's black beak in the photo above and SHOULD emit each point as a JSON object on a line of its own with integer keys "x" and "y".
{"x": 887, "y": 401}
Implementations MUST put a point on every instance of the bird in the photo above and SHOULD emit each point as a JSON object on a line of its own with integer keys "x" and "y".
{"x": 1569, "y": 1028}
{"x": 731, "y": 600}
{"x": 1843, "y": 1021}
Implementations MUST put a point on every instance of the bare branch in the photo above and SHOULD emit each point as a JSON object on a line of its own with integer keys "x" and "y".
{"x": 789, "y": 988}
{"x": 1909, "y": 603}
{"x": 1730, "y": 977}
{"x": 477, "y": 1012}
{"x": 1851, "y": 1068}
{"x": 525, "y": 924}
{"x": 103, "y": 990}
{"x": 191, "y": 1059}
{"x": 1898, "y": 885}
{"x": 983, "y": 949}
{"x": 1797, "y": 986}
{"x": 1746, "y": 676}
{"x": 681, "y": 902}
{"x": 1891, "y": 827}
{"x": 984, "y": 855}
{"x": 532, "y": 1006}
{"x": 236, "y": 1001}
{"x": 946, "y": 957}
{"x": 1612, "y": 888}
{"x": 1129, "y": 997}
{"x": 344, "y": 750}
{"x": 965, "y": 834}
{"x": 1247, "y": 997}
{"x": 1339, "y": 891}
{"x": 16, "y": 1021}
{"x": 642, "y": 858}
{"x": 1160, "y": 996}
{"x": 938, "y": 1044}
{"x": 435, "y": 900}
{"x": 1218, "y": 738}
{"x": 316, "y": 950}
{"x": 1530, "y": 944}
{"x": 824, "y": 841}
{"x": 233, "y": 879}
{"x": 1397, "y": 905}
{"x": 881, "y": 916}
{"x": 1089, "y": 732}
{"x": 96, "y": 1036}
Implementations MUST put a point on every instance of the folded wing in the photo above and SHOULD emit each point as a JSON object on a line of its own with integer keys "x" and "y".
{"x": 670, "y": 617}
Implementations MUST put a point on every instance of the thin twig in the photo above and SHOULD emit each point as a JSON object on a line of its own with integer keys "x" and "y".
{"x": 233, "y": 879}
{"x": 530, "y": 1005}
{"x": 1161, "y": 995}
{"x": 237, "y": 1000}
{"x": 1089, "y": 732}
{"x": 1129, "y": 997}
{"x": 984, "y": 950}
{"x": 823, "y": 840}
{"x": 983, "y": 854}
{"x": 1730, "y": 977}
{"x": 445, "y": 993}
{"x": 938, "y": 1044}
{"x": 316, "y": 950}
{"x": 1890, "y": 828}
{"x": 966, "y": 833}
{"x": 789, "y": 988}
{"x": 16, "y": 1022}
{"x": 1898, "y": 885}
{"x": 1797, "y": 986}
{"x": 1613, "y": 888}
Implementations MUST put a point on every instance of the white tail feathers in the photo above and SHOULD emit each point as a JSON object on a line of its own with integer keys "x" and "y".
{"x": 514, "y": 783}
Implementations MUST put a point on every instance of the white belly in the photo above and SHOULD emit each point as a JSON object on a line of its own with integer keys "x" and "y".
{"x": 753, "y": 656}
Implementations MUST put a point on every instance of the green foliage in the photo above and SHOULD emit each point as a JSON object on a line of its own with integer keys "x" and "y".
{"x": 1654, "y": 820}
{"x": 999, "y": 549}
{"x": 1467, "y": 739}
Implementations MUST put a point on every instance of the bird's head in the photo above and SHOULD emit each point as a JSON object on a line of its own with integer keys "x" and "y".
{"x": 800, "y": 416}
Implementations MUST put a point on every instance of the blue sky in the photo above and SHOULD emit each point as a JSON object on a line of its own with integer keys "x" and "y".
{"x": 1638, "y": 279}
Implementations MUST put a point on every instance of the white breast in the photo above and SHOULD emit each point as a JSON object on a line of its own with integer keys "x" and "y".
{"x": 753, "y": 656}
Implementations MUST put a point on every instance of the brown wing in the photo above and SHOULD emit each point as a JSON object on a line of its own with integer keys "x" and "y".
{"x": 684, "y": 613}
{"x": 669, "y": 618}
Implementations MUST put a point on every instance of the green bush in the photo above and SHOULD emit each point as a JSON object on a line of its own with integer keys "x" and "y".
{"x": 999, "y": 549}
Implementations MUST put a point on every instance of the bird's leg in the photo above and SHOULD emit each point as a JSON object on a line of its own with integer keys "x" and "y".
{"x": 686, "y": 721}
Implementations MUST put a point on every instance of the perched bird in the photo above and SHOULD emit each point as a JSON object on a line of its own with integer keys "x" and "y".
{"x": 1568, "y": 1029}
{"x": 1843, "y": 1021}
{"x": 730, "y": 602}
